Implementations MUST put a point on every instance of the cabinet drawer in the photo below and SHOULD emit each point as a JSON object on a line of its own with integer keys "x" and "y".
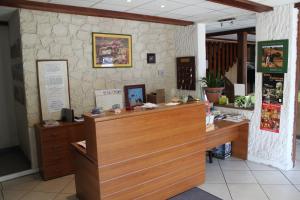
{"x": 57, "y": 170}
{"x": 56, "y": 135}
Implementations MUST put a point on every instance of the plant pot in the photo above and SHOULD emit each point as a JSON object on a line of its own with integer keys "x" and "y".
{"x": 213, "y": 94}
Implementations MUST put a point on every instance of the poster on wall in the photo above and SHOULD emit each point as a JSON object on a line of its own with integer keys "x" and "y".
{"x": 270, "y": 117}
{"x": 272, "y": 88}
{"x": 112, "y": 50}
{"x": 53, "y": 88}
{"x": 272, "y": 56}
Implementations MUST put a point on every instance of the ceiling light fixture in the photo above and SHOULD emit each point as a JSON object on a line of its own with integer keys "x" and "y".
{"x": 229, "y": 20}
{"x": 162, "y": 6}
{"x": 128, "y": 1}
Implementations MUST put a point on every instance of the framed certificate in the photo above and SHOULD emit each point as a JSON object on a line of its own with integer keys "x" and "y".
{"x": 53, "y": 82}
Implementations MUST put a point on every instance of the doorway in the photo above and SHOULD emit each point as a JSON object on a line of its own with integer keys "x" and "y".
{"x": 12, "y": 156}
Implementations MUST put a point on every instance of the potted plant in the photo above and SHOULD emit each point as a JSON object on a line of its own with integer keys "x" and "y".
{"x": 213, "y": 86}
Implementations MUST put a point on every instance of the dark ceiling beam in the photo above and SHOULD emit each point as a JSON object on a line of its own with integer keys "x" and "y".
{"x": 249, "y": 30}
{"x": 49, "y": 7}
{"x": 244, "y": 4}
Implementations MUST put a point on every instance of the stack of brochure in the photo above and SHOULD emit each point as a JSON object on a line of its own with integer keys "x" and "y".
{"x": 234, "y": 117}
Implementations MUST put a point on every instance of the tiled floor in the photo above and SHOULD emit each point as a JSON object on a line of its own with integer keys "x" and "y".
{"x": 235, "y": 179}
{"x": 232, "y": 179}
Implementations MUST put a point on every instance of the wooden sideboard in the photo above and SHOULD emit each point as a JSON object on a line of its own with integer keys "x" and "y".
{"x": 55, "y": 154}
{"x": 153, "y": 154}
{"x": 226, "y": 131}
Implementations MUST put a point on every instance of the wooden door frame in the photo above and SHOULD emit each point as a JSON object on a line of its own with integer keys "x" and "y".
{"x": 296, "y": 91}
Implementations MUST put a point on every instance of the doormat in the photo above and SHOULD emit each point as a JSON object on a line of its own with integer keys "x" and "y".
{"x": 195, "y": 194}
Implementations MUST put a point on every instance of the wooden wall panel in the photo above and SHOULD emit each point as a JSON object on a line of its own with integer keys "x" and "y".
{"x": 221, "y": 56}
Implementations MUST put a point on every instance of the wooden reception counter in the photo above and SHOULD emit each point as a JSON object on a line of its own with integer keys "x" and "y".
{"x": 152, "y": 154}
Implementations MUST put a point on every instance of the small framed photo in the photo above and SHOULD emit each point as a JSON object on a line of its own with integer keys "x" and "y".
{"x": 151, "y": 58}
{"x": 135, "y": 95}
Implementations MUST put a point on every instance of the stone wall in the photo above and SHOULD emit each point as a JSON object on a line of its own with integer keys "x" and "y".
{"x": 48, "y": 35}
{"x": 267, "y": 147}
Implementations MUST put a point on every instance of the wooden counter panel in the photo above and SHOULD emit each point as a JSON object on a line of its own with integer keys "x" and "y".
{"x": 127, "y": 138}
{"x": 175, "y": 188}
{"x": 130, "y": 166}
{"x": 160, "y": 182}
{"x": 240, "y": 146}
{"x": 151, "y": 173}
{"x": 226, "y": 131}
{"x": 86, "y": 179}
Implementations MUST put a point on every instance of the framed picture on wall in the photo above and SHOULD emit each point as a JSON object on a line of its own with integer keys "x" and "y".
{"x": 272, "y": 56}
{"x": 135, "y": 95}
{"x": 112, "y": 50}
{"x": 53, "y": 83}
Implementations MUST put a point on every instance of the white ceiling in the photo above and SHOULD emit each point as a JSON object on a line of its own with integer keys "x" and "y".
{"x": 191, "y": 10}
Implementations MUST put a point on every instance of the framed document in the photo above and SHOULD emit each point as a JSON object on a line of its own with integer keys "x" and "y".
{"x": 53, "y": 81}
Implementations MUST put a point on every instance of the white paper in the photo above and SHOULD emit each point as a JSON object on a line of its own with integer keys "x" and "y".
{"x": 107, "y": 98}
{"x": 55, "y": 87}
{"x": 239, "y": 90}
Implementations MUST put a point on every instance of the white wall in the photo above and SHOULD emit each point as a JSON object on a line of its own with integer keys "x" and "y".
{"x": 190, "y": 41}
{"x": 266, "y": 147}
{"x": 8, "y": 133}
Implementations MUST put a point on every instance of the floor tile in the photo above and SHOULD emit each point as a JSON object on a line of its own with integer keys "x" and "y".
{"x": 66, "y": 197}
{"x": 70, "y": 188}
{"x": 214, "y": 165}
{"x": 247, "y": 192}
{"x": 270, "y": 177}
{"x": 219, "y": 190}
{"x": 239, "y": 177}
{"x": 55, "y": 185}
{"x": 293, "y": 176}
{"x": 281, "y": 192}
{"x": 214, "y": 176}
{"x": 233, "y": 165}
{"x": 298, "y": 187}
{"x": 231, "y": 158}
{"x": 14, "y": 194}
{"x": 23, "y": 183}
{"x": 39, "y": 196}
{"x": 257, "y": 166}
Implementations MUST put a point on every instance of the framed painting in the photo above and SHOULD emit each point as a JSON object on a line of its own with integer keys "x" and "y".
{"x": 135, "y": 95}
{"x": 53, "y": 85}
{"x": 112, "y": 50}
{"x": 272, "y": 56}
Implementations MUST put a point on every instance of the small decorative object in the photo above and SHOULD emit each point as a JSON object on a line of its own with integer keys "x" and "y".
{"x": 270, "y": 117}
{"x": 112, "y": 50}
{"x": 53, "y": 80}
{"x": 151, "y": 58}
{"x": 156, "y": 97}
{"x": 244, "y": 101}
{"x": 96, "y": 111}
{"x": 272, "y": 90}
{"x": 223, "y": 100}
{"x": 135, "y": 95}
{"x": 272, "y": 56}
{"x": 186, "y": 73}
{"x": 214, "y": 86}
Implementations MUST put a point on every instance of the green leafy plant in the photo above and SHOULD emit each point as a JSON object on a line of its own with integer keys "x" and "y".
{"x": 213, "y": 81}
